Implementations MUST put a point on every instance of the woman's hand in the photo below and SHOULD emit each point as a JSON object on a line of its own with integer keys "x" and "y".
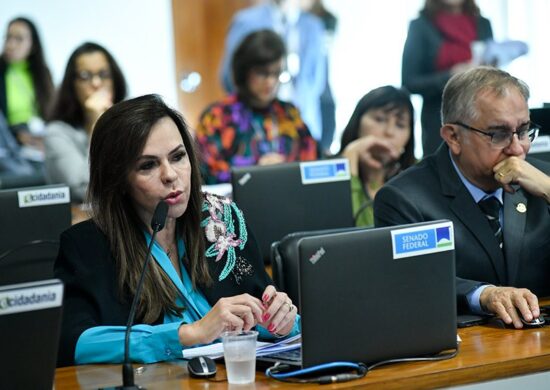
{"x": 279, "y": 312}
{"x": 271, "y": 159}
{"x": 241, "y": 312}
{"x": 370, "y": 153}
{"x": 96, "y": 104}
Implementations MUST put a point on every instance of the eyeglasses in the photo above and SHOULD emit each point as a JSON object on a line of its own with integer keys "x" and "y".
{"x": 503, "y": 139}
{"x": 16, "y": 38}
{"x": 89, "y": 76}
{"x": 265, "y": 73}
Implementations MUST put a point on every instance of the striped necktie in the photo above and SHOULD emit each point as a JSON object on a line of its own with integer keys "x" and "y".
{"x": 490, "y": 206}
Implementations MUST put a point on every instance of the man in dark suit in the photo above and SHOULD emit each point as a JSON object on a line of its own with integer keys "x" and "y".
{"x": 487, "y": 134}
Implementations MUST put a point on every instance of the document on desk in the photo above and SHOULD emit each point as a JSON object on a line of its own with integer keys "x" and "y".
{"x": 263, "y": 348}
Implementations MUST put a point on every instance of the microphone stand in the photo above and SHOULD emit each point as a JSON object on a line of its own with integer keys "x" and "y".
{"x": 157, "y": 224}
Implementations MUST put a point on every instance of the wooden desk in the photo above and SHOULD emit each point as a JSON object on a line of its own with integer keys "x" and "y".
{"x": 486, "y": 353}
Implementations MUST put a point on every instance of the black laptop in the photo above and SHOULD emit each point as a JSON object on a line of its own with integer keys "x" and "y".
{"x": 540, "y": 147}
{"x": 541, "y": 116}
{"x": 370, "y": 295}
{"x": 32, "y": 220}
{"x": 285, "y": 198}
{"x": 30, "y": 320}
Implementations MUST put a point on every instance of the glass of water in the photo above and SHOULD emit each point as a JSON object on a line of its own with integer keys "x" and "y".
{"x": 239, "y": 352}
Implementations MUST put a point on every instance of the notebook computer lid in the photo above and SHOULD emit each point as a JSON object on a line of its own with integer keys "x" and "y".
{"x": 29, "y": 245}
{"x": 285, "y": 198}
{"x": 375, "y": 294}
{"x": 540, "y": 147}
{"x": 30, "y": 320}
{"x": 284, "y": 261}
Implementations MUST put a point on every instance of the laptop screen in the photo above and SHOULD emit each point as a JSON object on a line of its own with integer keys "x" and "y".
{"x": 32, "y": 220}
{"x": 285, "y": 198}
{"x": 541, "y": 116}
{"x": 540, "y": 147}
{"x": 30, "y": 320}
{"x": 369, "y": 295}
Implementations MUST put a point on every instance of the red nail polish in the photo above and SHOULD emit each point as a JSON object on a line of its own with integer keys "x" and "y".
{"x": 265, "y": 317}
{"x": 265, "y": 297}
{"x": 271, "y": 328}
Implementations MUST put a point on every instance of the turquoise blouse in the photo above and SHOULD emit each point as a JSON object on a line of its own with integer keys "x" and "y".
{"x": 153, "y": 343}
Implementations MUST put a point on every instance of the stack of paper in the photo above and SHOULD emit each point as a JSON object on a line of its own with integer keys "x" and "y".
{"x": 215, "y": 350}
{"x": 289, "y": 344}
{"x": 497, "y": 54}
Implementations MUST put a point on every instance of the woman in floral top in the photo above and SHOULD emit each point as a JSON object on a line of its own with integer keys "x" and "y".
{"x": 253, "y": 126}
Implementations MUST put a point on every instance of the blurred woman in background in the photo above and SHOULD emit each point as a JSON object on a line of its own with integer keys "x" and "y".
{"x": 439, "y": 45}
{"x": 378, "y": 141}
{"x": 26, "y": 86}
{"x": 253, "y": 126}
{"x": 92, "y": 83}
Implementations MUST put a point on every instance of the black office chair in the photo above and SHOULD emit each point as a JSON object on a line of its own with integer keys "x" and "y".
{"x": 34, "y": 179}
{"x": 285, "y": 257}
{"x": 29, "y": 262}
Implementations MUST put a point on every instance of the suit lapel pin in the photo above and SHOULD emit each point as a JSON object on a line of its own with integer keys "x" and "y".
{"x": 521, "y": 208}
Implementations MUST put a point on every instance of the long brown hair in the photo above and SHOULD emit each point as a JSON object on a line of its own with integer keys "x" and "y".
{"x": 117, "y": 142}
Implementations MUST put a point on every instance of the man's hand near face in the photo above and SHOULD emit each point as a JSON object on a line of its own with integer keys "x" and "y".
{"x": 515, "y": 170}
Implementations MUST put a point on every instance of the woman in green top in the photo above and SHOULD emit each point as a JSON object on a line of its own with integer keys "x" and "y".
{"x": 26, "y": 86}
{"x": 379, "y": 143}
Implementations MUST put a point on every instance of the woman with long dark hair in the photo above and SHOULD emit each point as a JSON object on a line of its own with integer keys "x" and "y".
{"x": 92, "y": 83}
{"x": 26, "y": 86}
{"x": 206, "y": 275}
{"x": 379, "y": 142}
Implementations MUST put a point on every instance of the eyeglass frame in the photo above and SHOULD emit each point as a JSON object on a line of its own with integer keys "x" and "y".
{"x": 90, "y": 76}
{"x": 532, "y": 127}
{"x": 263, "y": 73}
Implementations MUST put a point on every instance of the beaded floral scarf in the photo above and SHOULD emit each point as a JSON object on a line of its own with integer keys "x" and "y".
{"x": 219, "y": 227}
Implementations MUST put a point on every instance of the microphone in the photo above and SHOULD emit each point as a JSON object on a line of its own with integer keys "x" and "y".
{"x": 157, "y": 224}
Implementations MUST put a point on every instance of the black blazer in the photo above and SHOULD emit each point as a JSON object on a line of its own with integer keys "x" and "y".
{"x": 87, "y": 268}
{"x": 432, "y": 190}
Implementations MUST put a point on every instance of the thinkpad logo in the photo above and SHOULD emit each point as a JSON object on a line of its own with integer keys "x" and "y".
{"x": 317, "y": 255}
